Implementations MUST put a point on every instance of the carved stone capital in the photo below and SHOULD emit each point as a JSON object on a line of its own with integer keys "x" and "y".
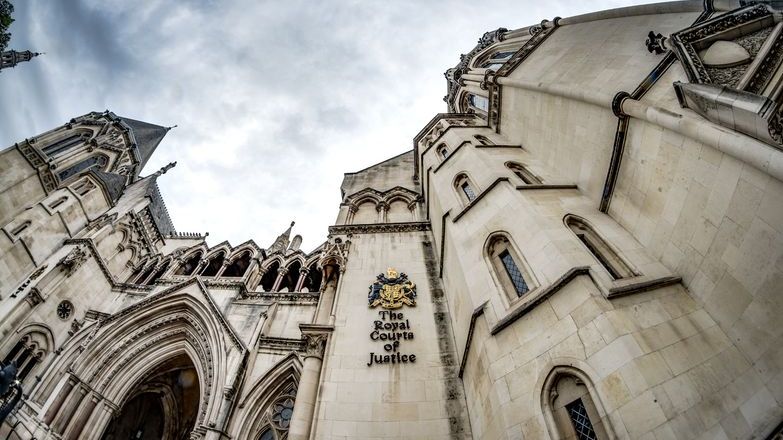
{"x": 34, "y": 297}
{"x": 315, "y": 337}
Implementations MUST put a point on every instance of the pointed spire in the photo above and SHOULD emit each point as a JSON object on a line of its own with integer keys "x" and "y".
{"x": 11, "y": 58}
{"x": 282, "y": 241}
{"x": 147, "y": 137}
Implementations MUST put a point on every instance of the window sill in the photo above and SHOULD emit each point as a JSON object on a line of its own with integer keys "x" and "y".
{"x": 479, "y": 197}
{"x": 452, "y": 154}
{"x": 536, "y": 297}
{"x": 534, "y": 186}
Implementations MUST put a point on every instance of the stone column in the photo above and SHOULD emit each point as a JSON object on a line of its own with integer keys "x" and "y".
{"x": 315, "y": 342}
{"x": 324, "y": 311}
{"x": 64, "y": 417}
{"x": 76, "y": 428}
{"x": 280, "y": 274}
{"x": 302, "y": 277}
{"x": 64, "y": 392}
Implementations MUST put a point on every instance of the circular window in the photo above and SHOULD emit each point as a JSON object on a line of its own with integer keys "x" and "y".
{"x": 64, "y": 310}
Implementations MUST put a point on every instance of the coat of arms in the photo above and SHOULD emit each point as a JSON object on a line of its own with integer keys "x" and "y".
{"x": 391, "y": 291}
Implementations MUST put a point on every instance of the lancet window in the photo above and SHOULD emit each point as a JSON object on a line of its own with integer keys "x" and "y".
{"x": 28, "y": 352}
{"x": 509, "y": 268}
{"x": 443, "y": 151}
{"x": 64, "y": 144}
{"x": 189, "y": 265}
{"x": 239, "y": 266}
{"x": 313, "y": 281}
{"x": 523, "y": 173}
{"x": 465, "y": 188}
{"x": 159, "y": 273}
{"x": 98, "y": 161}
{"x": 214, "y": 265}
{"x": 290, "y": 277}
{"x": 596, "y": 245}
{"x": 574, "y": 413}
{"x": 270, "y": 277}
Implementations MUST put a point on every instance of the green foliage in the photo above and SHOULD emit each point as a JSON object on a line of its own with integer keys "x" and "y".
{"x": 6, "y": 8}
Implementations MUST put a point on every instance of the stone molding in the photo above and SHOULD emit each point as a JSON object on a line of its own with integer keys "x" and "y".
{"x": 479, "y": 311}
{"x": 283, "y": 344}
{"x": 379, "y": 228}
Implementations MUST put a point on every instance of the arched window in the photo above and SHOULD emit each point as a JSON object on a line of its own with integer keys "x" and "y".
{"x": 267, "y": 434}
{"x": 497, "y": 59}
{"x": 137, "y": 271}
{"x": 508, "y": 267}
{"x": 570, "y": 409}
{"x": 189, "y": 265}
{"x": 28, "y": 352}
{"x": 215, "y": 263}
{"x": 483, "y": 140}
{"x": 146, "y": 274}
{"x": 65, "y": 144}
{"x": 478, "y": 103}
{"x": 270, "y": 276}
{"x": 97, "y": 161}
{"x": 239, "y": 266}
{"x": 159, "y": 273}
{"x": 465, "y": 189}
{"x": 523, "y": 173}
{"x": 313, "y": 281}
{"x": 602, "y": 252}
{"x": 291, "y": 277}
{"x": 443, "y": 151}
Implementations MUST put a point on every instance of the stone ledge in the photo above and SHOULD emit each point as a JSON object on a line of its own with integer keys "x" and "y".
{"x": 476, "y": 313}
{"x": 535, "y": 186}
{"x": 378, "y": 228}
{"x": 479, "y": 197}
{"x": 642, "y": 286}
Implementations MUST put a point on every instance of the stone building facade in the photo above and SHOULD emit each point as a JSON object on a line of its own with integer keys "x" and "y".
{"x": 588, "y": 244}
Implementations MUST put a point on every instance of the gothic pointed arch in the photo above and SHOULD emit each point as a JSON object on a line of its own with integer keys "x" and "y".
{"x": 271, "y": 270}
{"x": 265, "y": 402}
{"x": 572, "y": 407}
{"x": 215, "y": 263}
{"x": 238, "y": 265}
{"x": 600, "y": 249}
{"x": 291, "y": 276}
{"x": 125, "y": 349}
{"x": 190, "y": 263}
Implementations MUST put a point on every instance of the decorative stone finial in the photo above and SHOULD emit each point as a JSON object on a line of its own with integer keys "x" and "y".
{"x": 655, "y": 43}
{"x": 163, "y": 170}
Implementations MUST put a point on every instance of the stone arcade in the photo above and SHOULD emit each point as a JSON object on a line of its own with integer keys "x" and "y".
{"x": 592, "y": 241}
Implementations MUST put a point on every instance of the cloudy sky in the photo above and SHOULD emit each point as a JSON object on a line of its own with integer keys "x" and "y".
{"x": 274, "y": 100}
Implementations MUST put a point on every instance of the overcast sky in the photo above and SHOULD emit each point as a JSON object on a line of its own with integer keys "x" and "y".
{"x": 274, "y": 101}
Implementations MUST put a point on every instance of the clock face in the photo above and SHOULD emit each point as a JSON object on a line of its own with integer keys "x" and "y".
{"x": 64, "y": 310}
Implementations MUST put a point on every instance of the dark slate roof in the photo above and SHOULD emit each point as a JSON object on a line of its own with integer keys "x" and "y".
{"x": 112, "y": 182}
{"x": 160, "y": 215}
{"x": 147, "y": 137}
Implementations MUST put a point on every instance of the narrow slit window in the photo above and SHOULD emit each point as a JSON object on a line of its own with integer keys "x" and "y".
{"x": 468, "y": 191}
{"x": 513, "y": 272}
{"x": 601, "y": 251}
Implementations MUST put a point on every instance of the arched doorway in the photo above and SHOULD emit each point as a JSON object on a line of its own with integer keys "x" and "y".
{"x": 163, "y": 406}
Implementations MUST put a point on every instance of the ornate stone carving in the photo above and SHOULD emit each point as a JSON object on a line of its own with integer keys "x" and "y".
{"x": 655, "y": 43}
{"x": 34, "y": 297}
{"x": 74, "y": 260}
{"x": 315, "y": 344}
{"x": 379, "y": 228}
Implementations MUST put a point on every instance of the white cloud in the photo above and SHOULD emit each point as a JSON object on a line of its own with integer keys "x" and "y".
{"x": 274, "y": 100}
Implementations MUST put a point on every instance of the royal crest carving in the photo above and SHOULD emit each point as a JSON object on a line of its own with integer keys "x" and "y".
{"x": 392, "y": 291}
